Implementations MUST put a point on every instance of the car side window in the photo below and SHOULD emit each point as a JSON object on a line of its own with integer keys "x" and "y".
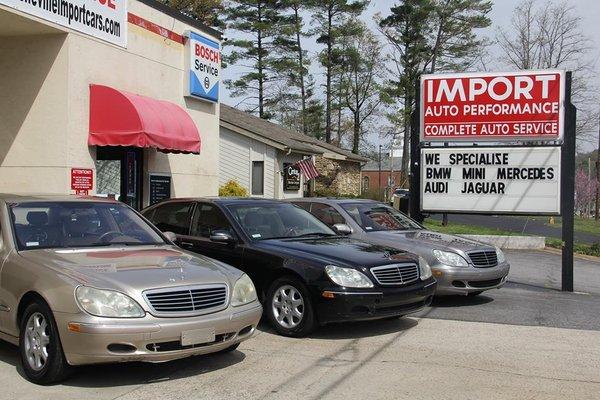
{"x": 209, "y": 218}
{"x": 327, "y": 214}
{"x": 302, "y": 204}
{"x": 173, "y": 217}
{"x": 354, "y": 212}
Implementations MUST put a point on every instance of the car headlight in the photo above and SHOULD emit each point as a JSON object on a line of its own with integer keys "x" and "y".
{"x": 500, "y": 256}
{"x": 348, "y": 277}
{"x": 424, "y": 269}
{"x": 449, "y": 258}
{"x": 244, "y": 291}
{"x": 107, "y": 303}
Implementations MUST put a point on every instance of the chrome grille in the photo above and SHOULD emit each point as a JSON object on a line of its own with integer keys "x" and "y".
{"x": 483, "y": 258}
{"x": 187, "y": 300}
{"x": 396, "y": 274}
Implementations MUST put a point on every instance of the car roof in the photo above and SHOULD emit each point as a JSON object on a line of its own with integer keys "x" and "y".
{"x": 224, "y": 200}
{"x": 333, "y": 200}
{"x": 26, "y": 197}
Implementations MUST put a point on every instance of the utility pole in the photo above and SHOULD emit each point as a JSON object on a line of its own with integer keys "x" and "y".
{"x": 379, "y": 179}
{"x": 597, "y": 214}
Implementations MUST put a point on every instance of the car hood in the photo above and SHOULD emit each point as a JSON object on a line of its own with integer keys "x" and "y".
{"x": 423, "y": 239}
{"x": 134, "y": 268}
{"x": 340, "y": 250}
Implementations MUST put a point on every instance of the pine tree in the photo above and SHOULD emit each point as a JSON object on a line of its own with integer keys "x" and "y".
{"x": 333, "y": 20}
{"x": 205, "y": 11}
{"x": 262, "y": 49}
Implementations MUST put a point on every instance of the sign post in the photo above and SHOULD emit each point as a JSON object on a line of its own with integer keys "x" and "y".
{"x": 568, "y": 189}
{"x": 415, "y": 162}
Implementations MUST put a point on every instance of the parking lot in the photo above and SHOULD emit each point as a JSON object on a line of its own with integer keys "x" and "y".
{"x": 527, "y": 340}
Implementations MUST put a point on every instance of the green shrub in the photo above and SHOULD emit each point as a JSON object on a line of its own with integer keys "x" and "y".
{"x": 232, "y": 189}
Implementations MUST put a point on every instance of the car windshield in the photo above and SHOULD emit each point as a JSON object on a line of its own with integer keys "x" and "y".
{"x": 276, "y": 221}
{"x": 380, "y": 217}
{"x": 39, "y": 225}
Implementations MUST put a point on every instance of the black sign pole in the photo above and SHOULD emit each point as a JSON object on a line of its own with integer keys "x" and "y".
{"x": 567, "y": 187}
{"x": 415, "y": 158}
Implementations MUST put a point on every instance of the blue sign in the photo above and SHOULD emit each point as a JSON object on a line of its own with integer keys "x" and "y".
{"x": 204, "y": 67}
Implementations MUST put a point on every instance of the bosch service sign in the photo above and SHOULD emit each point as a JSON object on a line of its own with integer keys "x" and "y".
{"x": 493, "y": 106}
{"x": 203, "y": 63}
{"x": 102, "y": 19}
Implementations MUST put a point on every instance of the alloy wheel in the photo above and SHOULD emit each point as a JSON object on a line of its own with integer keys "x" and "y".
{"x": 36, "y": 341}
{"x": 288, "y": 306}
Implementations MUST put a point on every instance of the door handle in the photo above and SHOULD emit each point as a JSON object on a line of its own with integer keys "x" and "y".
{"x": 184, "y": 243}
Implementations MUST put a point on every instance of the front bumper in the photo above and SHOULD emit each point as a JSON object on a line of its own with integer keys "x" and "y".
{"x": 465, "y": 280}
{"x": 375, "y": 303}
{"x": 103, "y": 340}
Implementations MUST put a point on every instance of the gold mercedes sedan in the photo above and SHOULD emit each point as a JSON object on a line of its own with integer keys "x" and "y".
{"x": 85, "y": 280}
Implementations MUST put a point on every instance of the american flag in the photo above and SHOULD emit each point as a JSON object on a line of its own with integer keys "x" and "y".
{"x": 307, "y": 168}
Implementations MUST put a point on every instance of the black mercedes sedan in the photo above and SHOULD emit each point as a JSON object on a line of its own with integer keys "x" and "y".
{"x": 305, "y": 274}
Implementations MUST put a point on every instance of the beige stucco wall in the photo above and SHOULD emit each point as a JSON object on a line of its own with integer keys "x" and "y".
{"x": 33, "y": 114}
{"x": 45, "y": 116}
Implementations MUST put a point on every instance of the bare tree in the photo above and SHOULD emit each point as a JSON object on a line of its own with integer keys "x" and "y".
{"x": 361, "y": 78}
{"x": 549, "y": 35}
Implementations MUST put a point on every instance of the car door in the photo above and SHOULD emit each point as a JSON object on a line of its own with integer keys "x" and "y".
{"x": 207, "y": 219}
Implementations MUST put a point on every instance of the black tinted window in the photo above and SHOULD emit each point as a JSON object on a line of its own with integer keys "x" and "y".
{"x": 209, "y": 219}
{"x": 173, "y": 217}
{"x": 302, "y": 204}
{"x": 327, "y": 214}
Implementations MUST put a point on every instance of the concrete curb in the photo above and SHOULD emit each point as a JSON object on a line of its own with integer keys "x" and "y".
{"x": 511, "y": 242}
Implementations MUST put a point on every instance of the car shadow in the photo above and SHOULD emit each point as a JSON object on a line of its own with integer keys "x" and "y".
{"x": 355, "y": 330}
{"x": 460, "y": 301}
{"x": 134, "y": 373}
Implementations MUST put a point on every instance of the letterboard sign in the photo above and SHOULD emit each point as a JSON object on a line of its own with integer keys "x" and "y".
{"x": 291, "y": 177}
{"x": 511, "y": 180}
{"x": 160, "y": 188}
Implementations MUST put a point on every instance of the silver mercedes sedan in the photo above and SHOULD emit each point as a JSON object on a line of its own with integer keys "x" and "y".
{"x": 86, "y": 280}
{"x": 460, "y": 265}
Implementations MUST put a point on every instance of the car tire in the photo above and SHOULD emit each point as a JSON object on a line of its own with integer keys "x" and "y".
{"x": 289, "y": 308}
{"x": 473, "y": 294}
{"x": 40, "y": 349}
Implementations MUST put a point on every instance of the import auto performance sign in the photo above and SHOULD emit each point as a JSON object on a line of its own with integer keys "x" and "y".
{"x": 203, "y": 63}
{"x": 102, "y": 19}
{"x": 493, "y": 106}
{"x": 520, "y": 180}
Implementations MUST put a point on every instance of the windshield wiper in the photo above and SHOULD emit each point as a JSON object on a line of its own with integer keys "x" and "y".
{"x": 315, "y": 234}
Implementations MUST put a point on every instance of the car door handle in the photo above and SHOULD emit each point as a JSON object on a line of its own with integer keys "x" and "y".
{"x": 183, "y": 243}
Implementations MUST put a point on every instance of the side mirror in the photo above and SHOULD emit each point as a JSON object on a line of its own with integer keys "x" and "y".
{"x": 171, "y": 236}
{"x": 222, "y": 237}
{"x": 342, "y": 229}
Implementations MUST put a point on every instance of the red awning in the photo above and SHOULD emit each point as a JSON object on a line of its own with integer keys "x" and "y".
{"x": 119, "y": 118}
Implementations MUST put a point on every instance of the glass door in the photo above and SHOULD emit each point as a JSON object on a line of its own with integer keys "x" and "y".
{"x": 119, "y": 174}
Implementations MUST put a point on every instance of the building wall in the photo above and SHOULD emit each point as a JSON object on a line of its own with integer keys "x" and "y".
{"x": 33, "y": 114}
{"x": 338, "y": 177}
{"x": 237, "y": 154}
{"x": 385, "y": 176}
{"x": 44, "y": 83}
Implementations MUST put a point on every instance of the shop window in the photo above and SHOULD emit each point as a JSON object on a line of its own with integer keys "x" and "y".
{"x": 258, "y": 178}
{"x": 209, "y": 219}
{"x": 173, "y": 217}
{"x": 327, "y": 214}
{"x": 365, "y": 183}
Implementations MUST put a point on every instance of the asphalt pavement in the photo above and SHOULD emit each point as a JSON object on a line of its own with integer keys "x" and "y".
{"x": 535, "y": 226}
{"x": 526, "y": 340}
